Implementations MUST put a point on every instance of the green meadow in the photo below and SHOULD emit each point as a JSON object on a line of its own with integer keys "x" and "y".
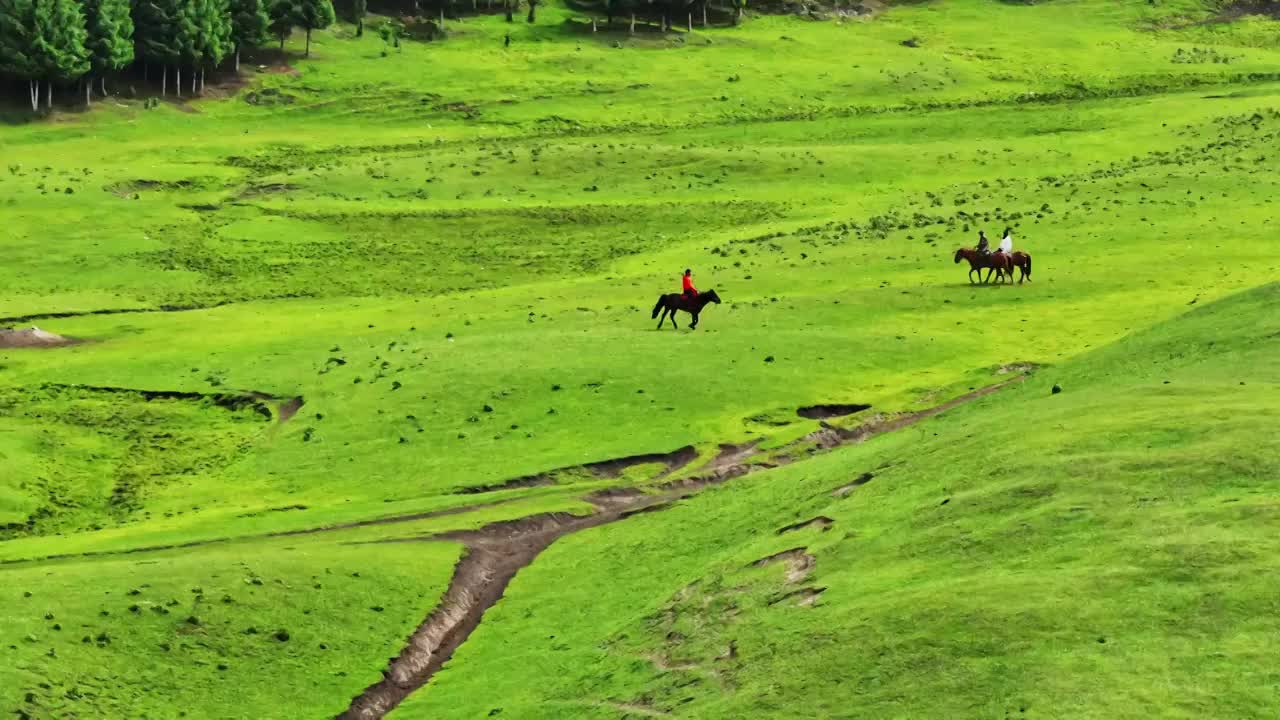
{"x": 449, "y": 252}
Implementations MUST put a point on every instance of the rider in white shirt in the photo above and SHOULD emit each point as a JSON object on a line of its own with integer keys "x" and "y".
{"x": 1006, "y": 242}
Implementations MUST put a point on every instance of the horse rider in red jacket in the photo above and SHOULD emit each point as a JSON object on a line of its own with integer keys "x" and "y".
{"x": 690, "y": 292}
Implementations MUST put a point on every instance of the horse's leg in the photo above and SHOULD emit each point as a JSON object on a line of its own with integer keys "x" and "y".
{"x": 694, "y": 325}
{"x": 673, "y": 319}
{"x": 662, "y": 319}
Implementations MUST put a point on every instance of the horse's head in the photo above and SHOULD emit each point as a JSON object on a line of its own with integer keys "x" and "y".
{"x": 711, "y": 296}
{"x": 959, "y": 254}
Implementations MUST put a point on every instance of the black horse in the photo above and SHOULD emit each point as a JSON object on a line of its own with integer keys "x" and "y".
{"x": 676, "y": 301}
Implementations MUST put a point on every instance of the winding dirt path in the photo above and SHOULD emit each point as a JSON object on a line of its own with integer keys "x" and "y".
{"x": 22, "y": 319}
{"x": 495, "y": 553}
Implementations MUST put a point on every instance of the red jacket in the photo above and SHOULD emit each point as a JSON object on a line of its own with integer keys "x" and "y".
{"x": 687, "y": 282}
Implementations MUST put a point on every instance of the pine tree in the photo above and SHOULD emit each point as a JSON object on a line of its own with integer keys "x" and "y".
{"x": 58, "y": 42}
{"x": 17, "y": 45}
{"x": 249, "y": 25}
{"x": 210, "y": 23}
{"x": 154, "y": 24}
{"x": 358, "y": 10}
{"x": 313, "y": 15}
{"x": 110, "y": 42}
{"x": 283, "y": 15}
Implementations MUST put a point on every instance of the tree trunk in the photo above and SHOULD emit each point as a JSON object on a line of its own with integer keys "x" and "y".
{"x": 308, "y": 52}
{"x": 103, "y": 84}
{"x": 533, "y": 11}
{"x": 441, "y": 17}
{"x": 593, "y": 25}
{"x": 88, "y": 88}
{"x": 506, "y": 7}
{"x": 359, "y": 31}
{"x": 690, "y": 22}
{"x": 281, "y": 43}
{"x": 177, "y": 81}
{"x": 48, "y": 95}
{"x": 237, "y": 58}
{"x": 704, "y": 14}
{"x": 632, "y": 31}
{"x": 193, "y": 82}
{"x": 201, "y": 81}
{"x": 33, "y": 86}
{"x": 737, "y": 15}
{"x": 164, "y": 80}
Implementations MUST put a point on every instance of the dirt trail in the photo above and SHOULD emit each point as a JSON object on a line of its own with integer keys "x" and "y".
{"x": 24, "y": 319}
{"x": 605, "y": 469}
{"x": 252, "y": 399}
{"x": 831, "y": 437}
{"x": 497, "y": 552}
{"x": 389, "y": 520}
{"x": 494, "y": 555}
{"x": 729, "y": 464}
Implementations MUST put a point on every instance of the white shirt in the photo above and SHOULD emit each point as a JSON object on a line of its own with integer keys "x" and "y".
{"x": 1006, "y": 244}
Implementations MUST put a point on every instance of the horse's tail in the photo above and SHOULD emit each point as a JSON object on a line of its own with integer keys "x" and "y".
{"x": 1028, "y": 266}
{"x": 658, "y": 307}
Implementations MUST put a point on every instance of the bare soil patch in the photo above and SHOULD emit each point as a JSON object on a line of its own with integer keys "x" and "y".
{"x": 804, "y": 597}
{"x": 604, "y": 469}
{"x": 799, "y": 563}
{"x": 32, "y": 337}
{"x": 844, "y": 490}
{"x": 287, "y": 409}
{"x": 1017, "y": 368}
{"x": 251, "y": 399}
{"x": 673, "y": 461}
{"x": 821, "y": 522}
{"x": 823, "y": 412}
{"x": 266, "y": 189}
{"x": 730, "y": 455}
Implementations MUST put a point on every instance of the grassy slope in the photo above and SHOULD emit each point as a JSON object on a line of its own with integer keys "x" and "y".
{"x": 199, "y": 631}
{"x": 1103, "y": 552}
{"x": 353, "y": 218}
{"x": 805, "y": 290}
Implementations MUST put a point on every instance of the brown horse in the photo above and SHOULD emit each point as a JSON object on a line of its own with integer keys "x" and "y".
{"x": 675, "y": 301}
{"x": 1022, "y": 261}
{"x": 999, "y": 263}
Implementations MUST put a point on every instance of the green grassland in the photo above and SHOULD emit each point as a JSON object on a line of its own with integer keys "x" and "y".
{"x": 1104, "y": 552}
{"x": 450, "y": 252}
